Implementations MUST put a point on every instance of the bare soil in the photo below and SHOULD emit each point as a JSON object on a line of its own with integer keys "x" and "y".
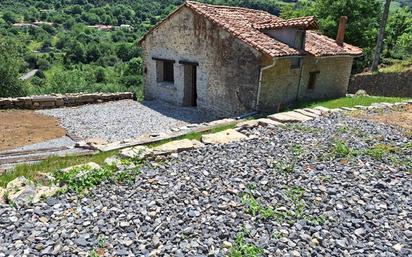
{"x": 20, "y": 127}
{"x": 401, "y": 117}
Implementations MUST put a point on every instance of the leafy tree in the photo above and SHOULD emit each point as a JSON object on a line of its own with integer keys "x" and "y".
{"x": 10, "y": 84}
{"x": 100, "y": 75}
{"x": 10, "y": 17}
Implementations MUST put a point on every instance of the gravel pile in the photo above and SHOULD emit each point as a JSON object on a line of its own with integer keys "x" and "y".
{"x": 115, "y": 121}
{"x": 292, "y": 191}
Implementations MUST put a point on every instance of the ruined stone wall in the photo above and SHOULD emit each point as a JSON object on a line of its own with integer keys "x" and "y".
{"x": 228, "y": 70}
{"x": 57, "y": 100}
{"x": 383, "y": 84}
{"x": 282, "y": 85}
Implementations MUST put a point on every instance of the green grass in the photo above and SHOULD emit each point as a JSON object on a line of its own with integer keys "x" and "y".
{"x": 351, "y": 101}
{"x": 50, "y": 165}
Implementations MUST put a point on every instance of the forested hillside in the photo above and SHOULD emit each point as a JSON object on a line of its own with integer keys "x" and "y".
{"x": 90, "y": 45}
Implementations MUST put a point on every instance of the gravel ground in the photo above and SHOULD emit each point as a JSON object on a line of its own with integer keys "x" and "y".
{"x": 115, "y": 121}
{"x": 53, "y": 143}
{"x": 323, "y": 205}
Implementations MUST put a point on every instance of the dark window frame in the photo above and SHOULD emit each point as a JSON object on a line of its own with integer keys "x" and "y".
{"x": 168, "y": 71}
{"x": 313, "y": 76}
{"x": 297, "y": 64}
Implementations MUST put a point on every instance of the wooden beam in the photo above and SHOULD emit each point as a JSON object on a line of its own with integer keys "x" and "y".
{"x": 189, "y": 63}
{"x": 163, "y": 60}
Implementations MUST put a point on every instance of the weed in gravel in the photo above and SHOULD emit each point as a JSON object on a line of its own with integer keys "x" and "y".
{"x": 82, "y": 178}
{"x": 380, "y": 150}
{"x": 297, "y": 150}
{"x": 241, "y": 248}
{"x": 254, "y": 208}
{"x": 284, "y": 168}
{"x": 341, "y": 149}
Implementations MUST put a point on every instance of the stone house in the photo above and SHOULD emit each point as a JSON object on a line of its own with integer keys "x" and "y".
{"x": 230, "y": 60}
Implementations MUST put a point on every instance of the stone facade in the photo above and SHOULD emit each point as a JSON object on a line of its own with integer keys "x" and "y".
{"x": 56, "y": 101}
{"x": 228, "y": 69}
{"x": 282, "y": 85}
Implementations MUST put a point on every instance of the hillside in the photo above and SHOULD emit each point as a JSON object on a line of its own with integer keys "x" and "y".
{"x": 90, "y": 45}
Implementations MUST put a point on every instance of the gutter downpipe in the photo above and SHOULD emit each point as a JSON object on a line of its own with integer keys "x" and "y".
{"x": 260, "y": 82}
{"x": 300, "y": 79}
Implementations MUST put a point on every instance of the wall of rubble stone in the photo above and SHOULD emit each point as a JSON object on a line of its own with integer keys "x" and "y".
{"x": 383, "y": 84}
{"x": 283, "y": 85}
{"x": 57, "y": 100}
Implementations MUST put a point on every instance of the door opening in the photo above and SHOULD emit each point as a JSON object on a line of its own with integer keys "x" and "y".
{"x": 190, "y": 90}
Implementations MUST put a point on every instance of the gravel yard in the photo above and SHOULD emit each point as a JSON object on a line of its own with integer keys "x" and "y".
{"x": 337, "y": 186}
{"x": 115, "y": 121}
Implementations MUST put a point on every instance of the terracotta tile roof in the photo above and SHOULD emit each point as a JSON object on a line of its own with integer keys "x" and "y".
{"x": 243, "y": 23}
{"x": 299, "y": 23}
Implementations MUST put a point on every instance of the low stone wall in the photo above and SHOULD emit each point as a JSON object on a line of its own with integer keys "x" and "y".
{"x": 57, "y": 100}
{"x": 383, "y": 84}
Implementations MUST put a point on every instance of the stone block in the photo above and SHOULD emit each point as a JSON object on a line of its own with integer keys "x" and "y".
{"x": 46, "y": 105}
{"x": 315, "y": 111}
{"x": 177, "y": 146}
{"x": 247, "y": 124}
{"x": 139, "y": 152}
{"x": 223, "y": 137}
{"x": 306, "y": 113}
{"x": 269, "y": 122}
{"x": 289, "y": 117}
{"x": 322, "y": 109}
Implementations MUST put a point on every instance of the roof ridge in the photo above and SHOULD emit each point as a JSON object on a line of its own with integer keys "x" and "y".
{"x": 228, "y": 7}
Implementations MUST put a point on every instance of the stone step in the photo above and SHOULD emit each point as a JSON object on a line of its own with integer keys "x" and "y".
{"x": 289, "y": 117}
{"x": 306, "y": 113}
{"x": 269, "y": 122}
{"x": 223, "y": 137}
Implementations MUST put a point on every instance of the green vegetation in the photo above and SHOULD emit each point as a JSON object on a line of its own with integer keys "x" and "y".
{"x": 380, "y": 150}
{"x": 55, "y": 163}
{"x": 51, "y": 165}
{"x": 241, "y": 248}
{"x": 398, "y": 66}
{"x": 84, "y": 177}
{"x": 362, "y": 29}
{"x": 350, "y": 102}
{"x": 74, "y": 55}
{"x": 254, "y": 208}
{"x": 341, "y": 149}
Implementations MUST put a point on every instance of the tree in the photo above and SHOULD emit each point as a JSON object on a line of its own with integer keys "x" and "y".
{"x": 399, "y": 26}
{"x": 381, "y": 35}
{"x": 10, "y": 84}
{"x": 10, "y": 17}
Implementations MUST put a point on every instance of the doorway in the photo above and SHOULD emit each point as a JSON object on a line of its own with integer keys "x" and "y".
{"x": 190, "y": 84}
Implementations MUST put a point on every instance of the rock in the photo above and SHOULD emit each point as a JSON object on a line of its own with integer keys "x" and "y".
{"x": 20, "y": 191}
{"x": 139, "y": 152}
{"x": 269, "y": 122}
{"x": 247, "y": 124}
{"x": 361, "y": 92}
{"x": 398, "y": 247}
{"x": 45, "y": 192}
{"x": 2, "y": 198}
{"x": 289, "y": 117}
{"x": 177, "y": 147}
{"x": 359, "y": 231}
{"x": 306, "y": 113}
{"x": 322, "y": 109}
{"x": 223, "y": 137}
{"x": 82, "y": 168}
{"x": 44, "y": 179}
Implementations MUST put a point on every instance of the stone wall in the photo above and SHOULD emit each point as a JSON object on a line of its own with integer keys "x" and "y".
{"x": 228, "y": 70}
{"x": 383, "y": 84}
{"x": 282, "y": 85}
{"x": 57, "y": 100}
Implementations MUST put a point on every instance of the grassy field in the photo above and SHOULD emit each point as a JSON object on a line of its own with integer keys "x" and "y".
{"x": 350, "y": 101}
